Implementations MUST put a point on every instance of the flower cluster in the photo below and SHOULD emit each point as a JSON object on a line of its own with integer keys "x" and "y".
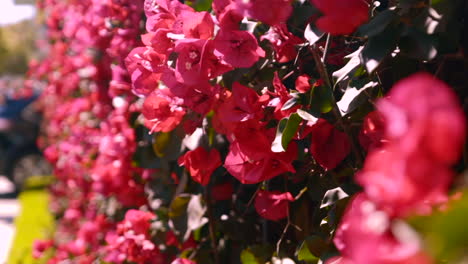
{"x": 409, "y": 174}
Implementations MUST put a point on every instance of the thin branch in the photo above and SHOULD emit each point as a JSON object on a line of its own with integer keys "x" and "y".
{"x": 251, "y": 200}
{"x": 211, "y": 226}
{"x": 327, "y": 47}
{"x": 278, "y": 244}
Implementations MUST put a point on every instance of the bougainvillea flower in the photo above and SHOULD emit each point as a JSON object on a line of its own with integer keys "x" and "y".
{"x": 159, "y": 41}
{"x": 423, "y": 114}
{"x": 197, "y": 25}
{"x": 238, "y": 48}
{"x": 366, "y": 235}
{"x": 260, "y": 166}
{"x": 163, "y": 14}
{"x": 132, "y": 240}
{"x": 280, "y": 97}
{"x": 196, "y": 62}
{"x": 271, "y": 12}
{"x": 220, "y": 5}
{"x": 341, "y": 16}
{"x": 243, "y": 105}
{"x": 424, "y": 129}
{"x": 120, "y": 83}
{"x": 145, "y": 67}
{"x": 302, "y": 83}
{"x": 230, "y": 18}
{"x": 138, "y": 221}
{"x": 162, "y": 111}
{"x": 404, "y": 183}
{"x": 273, "y": 205}
{"x": 40, "y": 246}
{"x": 329, "y": 145}
{"x": 284, "y": 42}
{"x": 201, "y": 164}
{"x": 372, "y": 132}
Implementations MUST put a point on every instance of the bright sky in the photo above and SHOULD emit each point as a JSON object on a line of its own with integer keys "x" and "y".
{"x": 11, "y": 13}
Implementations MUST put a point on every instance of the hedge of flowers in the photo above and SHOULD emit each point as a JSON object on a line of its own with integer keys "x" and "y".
{"x": 248, "y": 131}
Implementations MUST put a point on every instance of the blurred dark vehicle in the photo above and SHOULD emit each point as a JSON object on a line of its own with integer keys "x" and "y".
{"x": 20, "y": 157}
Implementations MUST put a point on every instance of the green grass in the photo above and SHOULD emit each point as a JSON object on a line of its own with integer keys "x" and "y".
{"x": 34, "y": 221}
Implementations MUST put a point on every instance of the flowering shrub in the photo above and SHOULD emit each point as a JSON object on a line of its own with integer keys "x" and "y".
{"x": 231, "y": 131}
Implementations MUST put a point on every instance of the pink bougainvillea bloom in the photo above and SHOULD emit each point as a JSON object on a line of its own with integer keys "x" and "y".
{"x": 201, "y": 164}
{"x": 159, "y": 41}
{"x": 132, "y": 241}
{"x": 162, "y": 111}
{"x": 40, "y": 246}
{"x": 120, "y": 83}
{"x": 273, "y": 205}
{"x": 238, "y": 48}
{"x": 242, "y": 105}
{"x": 163, "y": 14}
{"x": 424, "y": 129}
{"x": 372, "y": 132}
{"x": 196, "y": 62}
{"x": 329, "y": 145}
{"x": 138, "y": 221}
{"x": 230, "y": 18}
{"x": 341, "y": 16}
{"x": 284, "y": 42}
{"x": 197, "y": 25}
{"x": 271, "y": 12}
{"x": 302, "y": 83}
{"x": 280, "y": 97}
{"x": 402, "y": 184}
{"x": 251, "y": 168}
{"x": 220, "y": 5}
{"x": 145, "y": 67}
{"x": 368, "y": 235}
{"x": 423, "y": 114}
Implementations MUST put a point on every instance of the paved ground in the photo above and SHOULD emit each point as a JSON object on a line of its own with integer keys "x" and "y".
{"x": 9, "y": 209}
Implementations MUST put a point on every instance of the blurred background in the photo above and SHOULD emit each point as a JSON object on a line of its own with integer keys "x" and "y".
{"x": 19, "y": 129}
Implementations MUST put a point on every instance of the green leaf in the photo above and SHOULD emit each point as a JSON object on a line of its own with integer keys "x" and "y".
{"x": 445, "y": 231}
{"x": 247, "y": 257}
{"x": 200, "y": 5}
{"x": 291, "y": 128}
{"x": 303, "y": 253}
{"x": 179, "y": 205}
{"x": 316, "y": 245}
{"x": 160, "y": 142}
{"x": 312, "y": 34}
{"x": 322, "y": 99}
{"x": 377, "y": 24}
{"x": 380, "y": 46}
{"x": 285, "y": 132}
{"x": 418, "y": 45}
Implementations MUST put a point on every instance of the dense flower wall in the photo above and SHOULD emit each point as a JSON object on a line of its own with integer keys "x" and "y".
{"x": 238, "y": 131}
